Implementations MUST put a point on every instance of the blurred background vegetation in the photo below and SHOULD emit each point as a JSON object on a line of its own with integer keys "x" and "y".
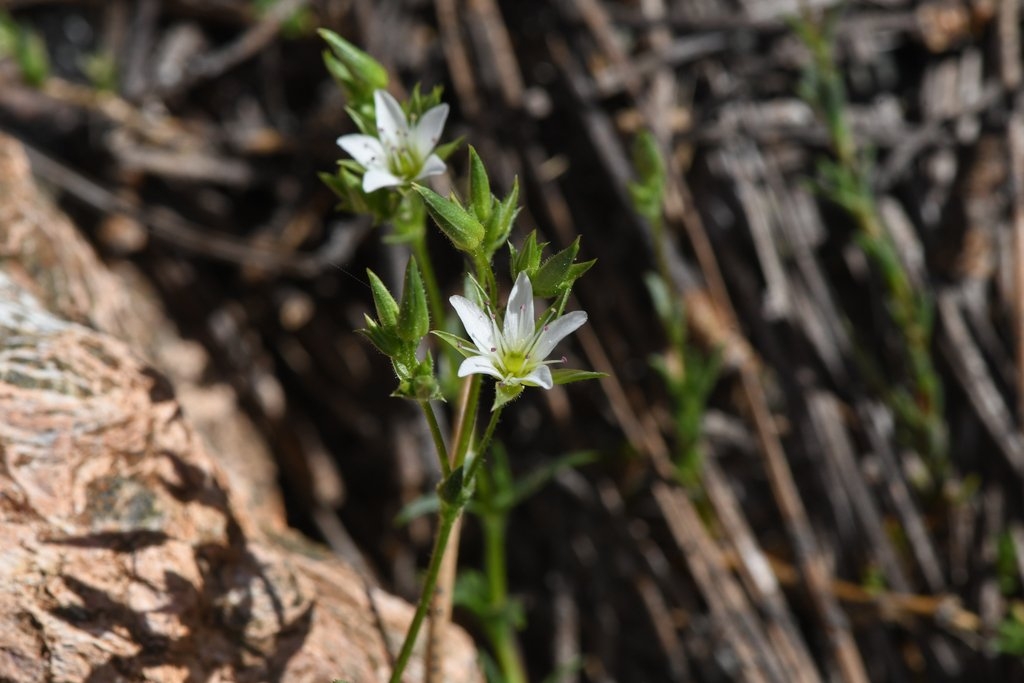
{"x": 806, "y": 460}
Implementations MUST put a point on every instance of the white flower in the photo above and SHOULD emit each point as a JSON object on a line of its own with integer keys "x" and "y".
{"x": 399, "y": 154}
{"x": 514, "y": 354}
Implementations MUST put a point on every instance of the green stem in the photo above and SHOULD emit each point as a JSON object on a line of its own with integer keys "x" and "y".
{"x": 449, "y": 516}
{"x": 435, "y": 432}
{"x": 500, "y": 629}
{"x": 422, "y": 254}
{"x": 481, "y": 449}
{"x": 467, "y": 422}
{"x": 485, "y": 276}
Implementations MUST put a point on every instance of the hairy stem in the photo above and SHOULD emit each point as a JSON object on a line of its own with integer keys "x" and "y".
{"x": 435, "y": 433}
{"x": 449, "y": 515}
{"x": 422, "y": 254}
{"x": 500, "y": 629}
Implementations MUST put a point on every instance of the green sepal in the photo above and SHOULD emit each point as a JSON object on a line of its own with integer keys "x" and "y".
{"x": 576, "y": 270}
{"x": 504, "y": 393}
{"x": 362, "y": 68}
{"x": 387, "y": 307}
{"x": 479, "y": 187}
{"x": 527, "y": 259}
{"x": 553, "y": 275}
{"x": 566, "y": 376}
{"x": 463, "y": 346}
{"x": 503, "y": 214}
{"x": 385, "y": 340}
{"x": 417, "y": 383}
{"x": 418, "y": 103}
{"x": 449, "y": 491}
{"x": 413, "y": 315}
{"x": 458, "y": 225}
{"x": 347, "y": 184}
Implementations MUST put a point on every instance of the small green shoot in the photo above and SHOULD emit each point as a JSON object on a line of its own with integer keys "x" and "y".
{"x": 27, "y": 48}
{"x": 846, "y": 180}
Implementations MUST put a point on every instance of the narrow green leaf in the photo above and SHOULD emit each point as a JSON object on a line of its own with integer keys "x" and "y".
{"x": 536, "y": 479}
{"x": 427, "y": 504}
{"x": 566, "y": 376}
{"x": 447, "y": 149}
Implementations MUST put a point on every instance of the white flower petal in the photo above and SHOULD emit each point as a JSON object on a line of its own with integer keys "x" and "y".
{"x": 556, "y": 331}
{"x": 480, "y": 365}
{"x": 365, "y": 149}
{"x": 432, "y": 166}
{"x": 392, "y": 126}
{"x": 427, "y": 132}
{"x": 539, "y": 377}
{"x": 519, "y": 322}
{"x": 476, "y": 322}
{"x": 375, "y": 178}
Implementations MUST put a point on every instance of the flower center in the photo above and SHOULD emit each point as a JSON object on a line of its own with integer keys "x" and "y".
{"x": 515, "y": 362}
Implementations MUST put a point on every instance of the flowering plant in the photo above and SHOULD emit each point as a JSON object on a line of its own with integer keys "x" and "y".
{"x": 397, "y": 147}
{"x": 399, "y": 153}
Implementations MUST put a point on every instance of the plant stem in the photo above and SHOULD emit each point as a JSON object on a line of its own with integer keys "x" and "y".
{"x": 422, "y": 254}
{"x": 435, "y": 432}
{"x": 467, "y": 419}
{"x": 481, "y": 449}
{"x": 440, "y": 602}
{"x": 449, "y": 515}
{"x": 500, "y": 628}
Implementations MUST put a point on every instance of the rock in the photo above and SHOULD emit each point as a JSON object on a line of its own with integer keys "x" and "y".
{"x": 125, "y": 554}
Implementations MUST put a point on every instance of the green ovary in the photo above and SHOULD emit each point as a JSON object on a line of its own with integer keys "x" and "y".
{"x": 404, "y": 163}
{"x": 514, "y": 363}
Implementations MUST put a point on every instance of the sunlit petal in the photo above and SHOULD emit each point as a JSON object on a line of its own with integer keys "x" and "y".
{"x": 539, "y": 377}
{"x": 556, "y": 331}
{"x": 481, "y": 365}
{"x": 476, "y": 322}
{"x": 432, "y": 166}
{"x": 519, "y": 322}
{"x": 427, "y": 132}
{"x": 392, "y": 126}
{"x": 375, "y": 178}
{"x": 365, "y": 149}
